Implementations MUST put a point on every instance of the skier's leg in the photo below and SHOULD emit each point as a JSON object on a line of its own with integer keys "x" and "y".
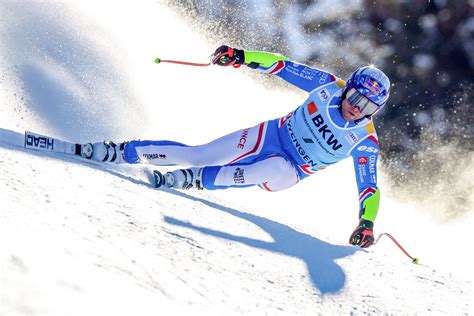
{"x": 228, "y": 149}
{"x": 273, "y": 174}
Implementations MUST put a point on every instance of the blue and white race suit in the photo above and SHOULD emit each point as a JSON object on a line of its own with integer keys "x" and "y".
{"x": 278, "y": 153}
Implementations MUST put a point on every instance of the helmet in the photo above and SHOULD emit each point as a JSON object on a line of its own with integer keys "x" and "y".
{"x": 372, "y": 83}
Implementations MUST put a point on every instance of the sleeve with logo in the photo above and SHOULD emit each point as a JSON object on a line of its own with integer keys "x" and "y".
{"x": 299, "y": 75}
{"x": 365, "y": 156}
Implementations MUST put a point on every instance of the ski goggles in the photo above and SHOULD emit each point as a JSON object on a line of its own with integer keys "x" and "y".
{"x": 366, "y": 107}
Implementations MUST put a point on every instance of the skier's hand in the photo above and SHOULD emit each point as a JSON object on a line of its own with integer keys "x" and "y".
{"x": 363, "y": 235}
{"x": 227, "y": 56}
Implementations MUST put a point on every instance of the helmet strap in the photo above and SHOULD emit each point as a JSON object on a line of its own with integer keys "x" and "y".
{"x": 344, "y": 93}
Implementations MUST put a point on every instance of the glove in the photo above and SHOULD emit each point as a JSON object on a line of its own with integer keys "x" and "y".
{"x": 227, "y": 56}
{"x": 363, "y": 235}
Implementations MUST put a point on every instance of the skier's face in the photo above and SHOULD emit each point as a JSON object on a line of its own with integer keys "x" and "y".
{"x": 350, "y": 113}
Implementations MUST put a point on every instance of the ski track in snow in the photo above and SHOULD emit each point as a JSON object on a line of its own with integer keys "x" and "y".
{"x": 83, "y": 238}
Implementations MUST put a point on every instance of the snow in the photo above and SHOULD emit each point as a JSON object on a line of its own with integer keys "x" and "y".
{"x": 83, "y": 238}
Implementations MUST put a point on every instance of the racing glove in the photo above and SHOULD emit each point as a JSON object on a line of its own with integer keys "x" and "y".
{"x": 363, "y": 235}
{"x": 227, "y": 56}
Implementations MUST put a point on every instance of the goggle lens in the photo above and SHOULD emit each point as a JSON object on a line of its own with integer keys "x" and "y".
{"x": 366, "y": 107}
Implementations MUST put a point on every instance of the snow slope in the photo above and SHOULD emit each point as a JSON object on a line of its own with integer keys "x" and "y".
{"x": 82, "y": 238}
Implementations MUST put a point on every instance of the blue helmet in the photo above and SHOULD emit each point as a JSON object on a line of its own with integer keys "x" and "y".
{"x": 372, "y": 83}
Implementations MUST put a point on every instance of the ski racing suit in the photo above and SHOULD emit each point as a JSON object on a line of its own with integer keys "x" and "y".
{"x": 276, "y": 154}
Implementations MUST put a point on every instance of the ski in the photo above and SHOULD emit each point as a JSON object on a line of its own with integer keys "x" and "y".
{"x": 46, "y": 143}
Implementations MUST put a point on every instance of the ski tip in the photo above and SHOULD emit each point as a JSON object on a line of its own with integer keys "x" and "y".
{"x": 159, "y": 179}
{"x": 157, "y": 60}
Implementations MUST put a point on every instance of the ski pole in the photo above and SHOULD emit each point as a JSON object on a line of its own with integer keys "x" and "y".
{"x": 413, "y": 259}
{"x": 186, "y": 63}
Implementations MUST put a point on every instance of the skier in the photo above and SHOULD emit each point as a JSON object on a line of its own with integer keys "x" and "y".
{"x": 334, "y": 122}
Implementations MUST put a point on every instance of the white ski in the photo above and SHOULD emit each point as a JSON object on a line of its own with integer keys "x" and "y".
{"x": 45, "y": 143}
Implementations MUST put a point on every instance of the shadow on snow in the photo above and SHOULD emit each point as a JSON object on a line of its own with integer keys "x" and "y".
{"x": 319, "y": 256}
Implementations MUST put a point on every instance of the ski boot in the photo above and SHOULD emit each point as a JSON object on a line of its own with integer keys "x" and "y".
{"x": 183, "y": 179}
{"x": 106, "y": 151}
{"x": 85, "y": 150}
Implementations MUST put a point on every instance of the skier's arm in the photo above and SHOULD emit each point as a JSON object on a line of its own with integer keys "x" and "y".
{"x": 299, "y": 75}
{"x": 365, "y": 155}
{"x": 302, "y": 76}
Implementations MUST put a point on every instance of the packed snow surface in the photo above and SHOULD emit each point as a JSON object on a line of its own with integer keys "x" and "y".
{"x": 84, "y": 238}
